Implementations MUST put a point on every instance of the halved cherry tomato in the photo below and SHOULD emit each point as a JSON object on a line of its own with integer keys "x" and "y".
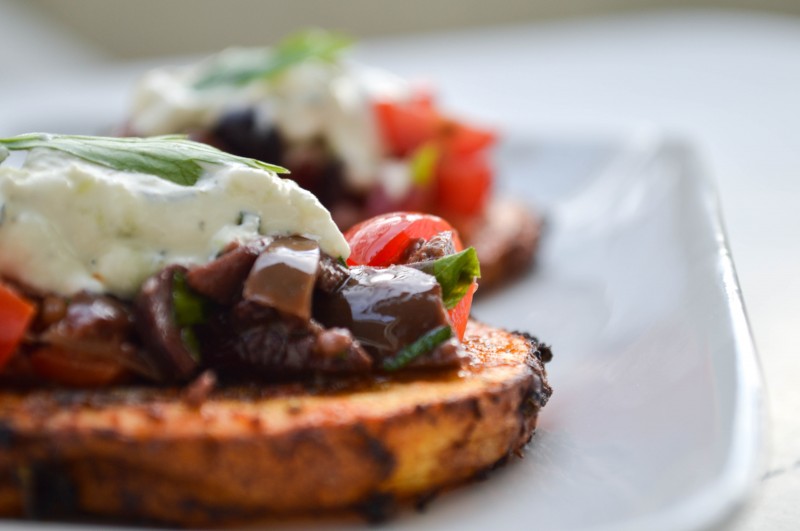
{"x": 382, "y": 240}
{"x": 75, "y": 369}
{"x": 16, "y": 314}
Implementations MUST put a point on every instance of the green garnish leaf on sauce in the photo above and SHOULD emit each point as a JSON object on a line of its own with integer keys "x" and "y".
{"x": 172, "y": 157}
{"x": 268, "y": 63}
{"x": 426, "y": 343}
{"x": 455, "y": 274}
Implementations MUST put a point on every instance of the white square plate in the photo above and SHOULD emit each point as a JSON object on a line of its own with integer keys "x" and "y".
{"x": 656, "y": 420}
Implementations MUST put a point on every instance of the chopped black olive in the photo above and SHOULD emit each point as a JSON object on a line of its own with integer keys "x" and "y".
{"x": 284, "y": 275}
{"x": 158, "y": 326}
{"x": 386, "y": 309}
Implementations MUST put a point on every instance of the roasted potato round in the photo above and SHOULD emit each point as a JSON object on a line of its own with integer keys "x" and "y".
{"x": 148, "y": 454}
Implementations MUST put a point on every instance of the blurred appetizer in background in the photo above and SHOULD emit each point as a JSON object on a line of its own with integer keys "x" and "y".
{"x": 187, "y": 338}
{"x": 361, "y": 139}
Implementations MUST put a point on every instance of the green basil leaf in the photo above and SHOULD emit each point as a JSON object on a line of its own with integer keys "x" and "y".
{"x": 172, "y": 157}
{"x": 266, "y": 64}
{"x": 455, "y": 274}
{"x": 426, "y": 343}
{"x": 189, "y": 309}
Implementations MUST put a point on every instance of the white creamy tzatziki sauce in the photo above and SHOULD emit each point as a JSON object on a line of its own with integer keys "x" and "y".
{"x": 67, "y": 225}
{"x": 309, "y": 100}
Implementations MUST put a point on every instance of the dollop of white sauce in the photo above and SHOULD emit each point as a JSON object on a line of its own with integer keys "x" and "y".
{"x": 68, "y": 225}
{"x": 309, "y": 100}
{"x": 165, "y": 100}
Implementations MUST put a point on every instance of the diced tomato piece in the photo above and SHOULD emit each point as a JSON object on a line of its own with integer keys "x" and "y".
{"x": 463, "y": 183}
{"x": 405, "y": 125}
{"x": 463, "y": 176}
{"x": 16, "y": 314}
{"x": 382, "y": 240}
{"x": 460, "y": 138}
{"x": 459, "y": 314}
{"x": 75, "y": 369}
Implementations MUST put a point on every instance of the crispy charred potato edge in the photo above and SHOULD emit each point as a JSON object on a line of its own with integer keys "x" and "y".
{"x": 150, "y": 457}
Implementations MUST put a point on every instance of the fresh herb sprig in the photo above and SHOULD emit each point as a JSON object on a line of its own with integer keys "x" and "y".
{"x": 172, "y": 157}
{"x": 455, "y": 274}
{"x": 269, "y": 63}
{"x": 426, "y": 343}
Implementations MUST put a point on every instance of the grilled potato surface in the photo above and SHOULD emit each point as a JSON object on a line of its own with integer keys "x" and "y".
{"x": 245, "y": 453}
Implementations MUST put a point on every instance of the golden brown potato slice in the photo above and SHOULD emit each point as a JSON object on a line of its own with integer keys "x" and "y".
{"x": 246, "y": 453}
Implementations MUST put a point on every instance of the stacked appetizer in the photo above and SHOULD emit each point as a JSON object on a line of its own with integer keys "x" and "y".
{"x": 188, "y": 338}
{"x": 364, "y": 141}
